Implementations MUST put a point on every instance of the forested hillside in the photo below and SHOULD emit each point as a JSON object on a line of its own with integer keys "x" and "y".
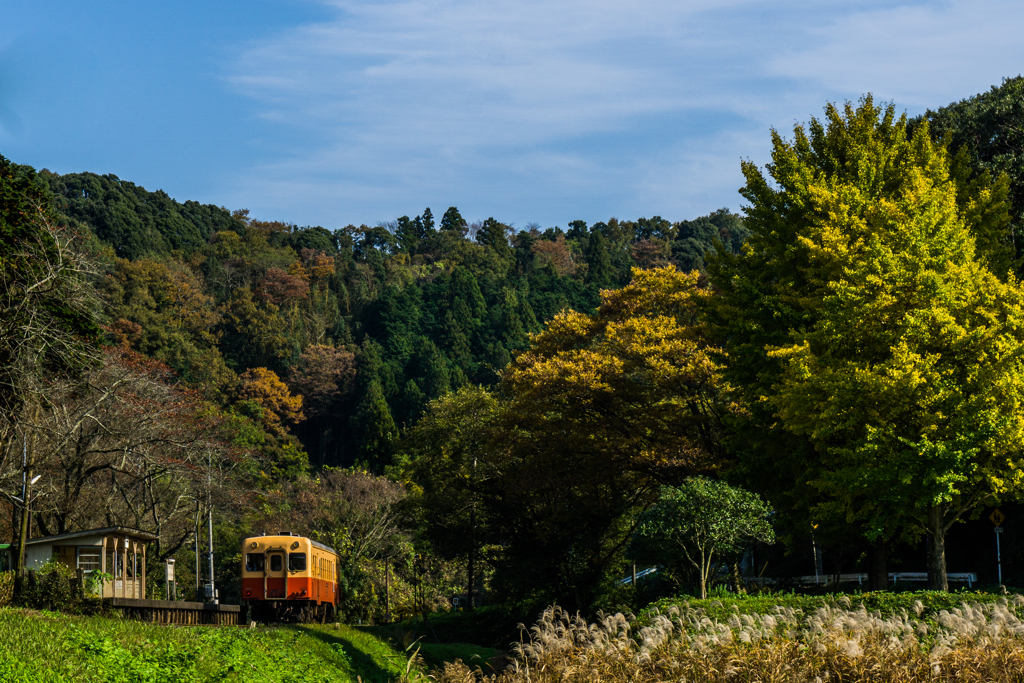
{"x": 367, "y": 324}
{"x": 520, "y": 415}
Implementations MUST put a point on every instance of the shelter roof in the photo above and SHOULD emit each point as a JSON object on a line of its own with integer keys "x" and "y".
{"x": 105, "y": 531}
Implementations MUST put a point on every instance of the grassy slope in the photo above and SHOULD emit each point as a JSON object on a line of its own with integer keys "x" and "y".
{"x": 42, "y": 646}
{"x": 436, "y": 645}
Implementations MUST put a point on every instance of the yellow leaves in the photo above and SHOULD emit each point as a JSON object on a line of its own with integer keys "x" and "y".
{"x": 298, "y": 270}
{"x": 566, "y": 330}
{"x": 265, "y": 389}
{"x": 638, "y": 376}
{"x": 576, "y": 371}
{"x": 659, "y": 291}
{"x": 646, "y": 327}
{"x": 319, "y": 265}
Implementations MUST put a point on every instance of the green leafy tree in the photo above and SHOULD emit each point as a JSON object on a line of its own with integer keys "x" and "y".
{"x": 162, "y": 309}
{"x": 696, "y": 238}
{"x": 253, "y": 333}
{"x": 602, "y": 410}
{"x": 132, "y": 220}
{"x": 861, "y": 323}
{"x": 988, "y": 129}
{"x": 655, "y": 227}
{"x": 379, "y": 433}
{"x": 427, "y": 221}
{"x": 449, "y": 459}
{"x": 433, "y": 368}
{"x": 697, "y": 522}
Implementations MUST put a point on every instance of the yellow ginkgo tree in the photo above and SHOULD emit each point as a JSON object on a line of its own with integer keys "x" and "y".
{"x": 906, "y": 372}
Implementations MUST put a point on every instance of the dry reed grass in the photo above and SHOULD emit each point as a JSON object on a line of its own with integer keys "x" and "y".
{"x": 834, "y": 644}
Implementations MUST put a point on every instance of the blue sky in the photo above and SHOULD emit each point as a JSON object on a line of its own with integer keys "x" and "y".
{"x": 350, "y": 111}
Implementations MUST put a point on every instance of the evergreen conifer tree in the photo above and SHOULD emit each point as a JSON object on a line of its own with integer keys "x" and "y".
{"x": 452, "y": 221}
{"x": 599, "y": 262}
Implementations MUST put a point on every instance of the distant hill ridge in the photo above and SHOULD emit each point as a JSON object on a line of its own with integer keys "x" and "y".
{"x": 135, "y": 221}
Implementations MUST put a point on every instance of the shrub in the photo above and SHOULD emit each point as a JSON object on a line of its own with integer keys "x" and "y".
{"x": 54, "y": 589}
{"x": 6, "y": 588}
{"x": 94, "y": 581}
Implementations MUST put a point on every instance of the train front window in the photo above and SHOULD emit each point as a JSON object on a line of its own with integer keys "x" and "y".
{"x": 275, "y": 563}
{"x": 254, "y": 562}
{"x": 296, "y": 562}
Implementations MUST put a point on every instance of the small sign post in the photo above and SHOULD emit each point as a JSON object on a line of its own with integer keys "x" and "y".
{"x": 171, "y": 584}
{"x": 997, "y": 518}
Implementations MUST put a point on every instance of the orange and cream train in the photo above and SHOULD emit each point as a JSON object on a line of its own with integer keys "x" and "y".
{"x": 289, "y": 578}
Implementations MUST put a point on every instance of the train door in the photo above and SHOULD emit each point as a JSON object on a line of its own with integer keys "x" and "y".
{"x": 276, "y": 574}
{"x": 315, "y": 574}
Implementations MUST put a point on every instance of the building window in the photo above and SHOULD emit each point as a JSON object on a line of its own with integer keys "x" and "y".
{"x": 88, "y": 559}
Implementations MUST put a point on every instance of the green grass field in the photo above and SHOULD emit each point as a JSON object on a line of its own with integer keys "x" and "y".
{"x": 44, "y": 646}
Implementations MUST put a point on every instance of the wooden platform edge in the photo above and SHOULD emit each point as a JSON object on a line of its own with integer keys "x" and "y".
{"x": 169, "y": 604}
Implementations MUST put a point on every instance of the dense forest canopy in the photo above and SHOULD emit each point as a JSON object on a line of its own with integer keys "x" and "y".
{"x": 412, "y": 308}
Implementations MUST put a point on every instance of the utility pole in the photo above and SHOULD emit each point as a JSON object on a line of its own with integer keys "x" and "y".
{"x": 817, "y": 556}
{"x": 27, "y": 480}
{"x": 387, "y": 590}
{"x": 199, "y": 576}
{"x": 997, "y": 518}
{"x": 19, "y": 561}
{"x": 999, "y": 556}
{"x": 209, "y": 586}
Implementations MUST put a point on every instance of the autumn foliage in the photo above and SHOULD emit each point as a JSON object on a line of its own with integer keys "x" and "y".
{"x": 277, "y": 408}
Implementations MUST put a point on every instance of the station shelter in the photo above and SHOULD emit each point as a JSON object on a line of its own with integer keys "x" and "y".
{"x": 116, "y": 551}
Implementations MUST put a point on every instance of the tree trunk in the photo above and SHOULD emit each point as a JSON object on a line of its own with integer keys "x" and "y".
{"x": 704, "y": 570}
{"x": 878, "y": 566}
{"x": 937, "y": 558}
{"x": 737, "y": 579}
{"x": 472, "y": 544}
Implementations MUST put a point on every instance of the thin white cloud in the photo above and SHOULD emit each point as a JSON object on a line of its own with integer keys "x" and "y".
{"x": 920, "y": 56}
{"x": 533, "y": 110}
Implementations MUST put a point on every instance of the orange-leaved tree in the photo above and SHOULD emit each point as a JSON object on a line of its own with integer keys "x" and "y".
{"x": 276, "y": 407}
